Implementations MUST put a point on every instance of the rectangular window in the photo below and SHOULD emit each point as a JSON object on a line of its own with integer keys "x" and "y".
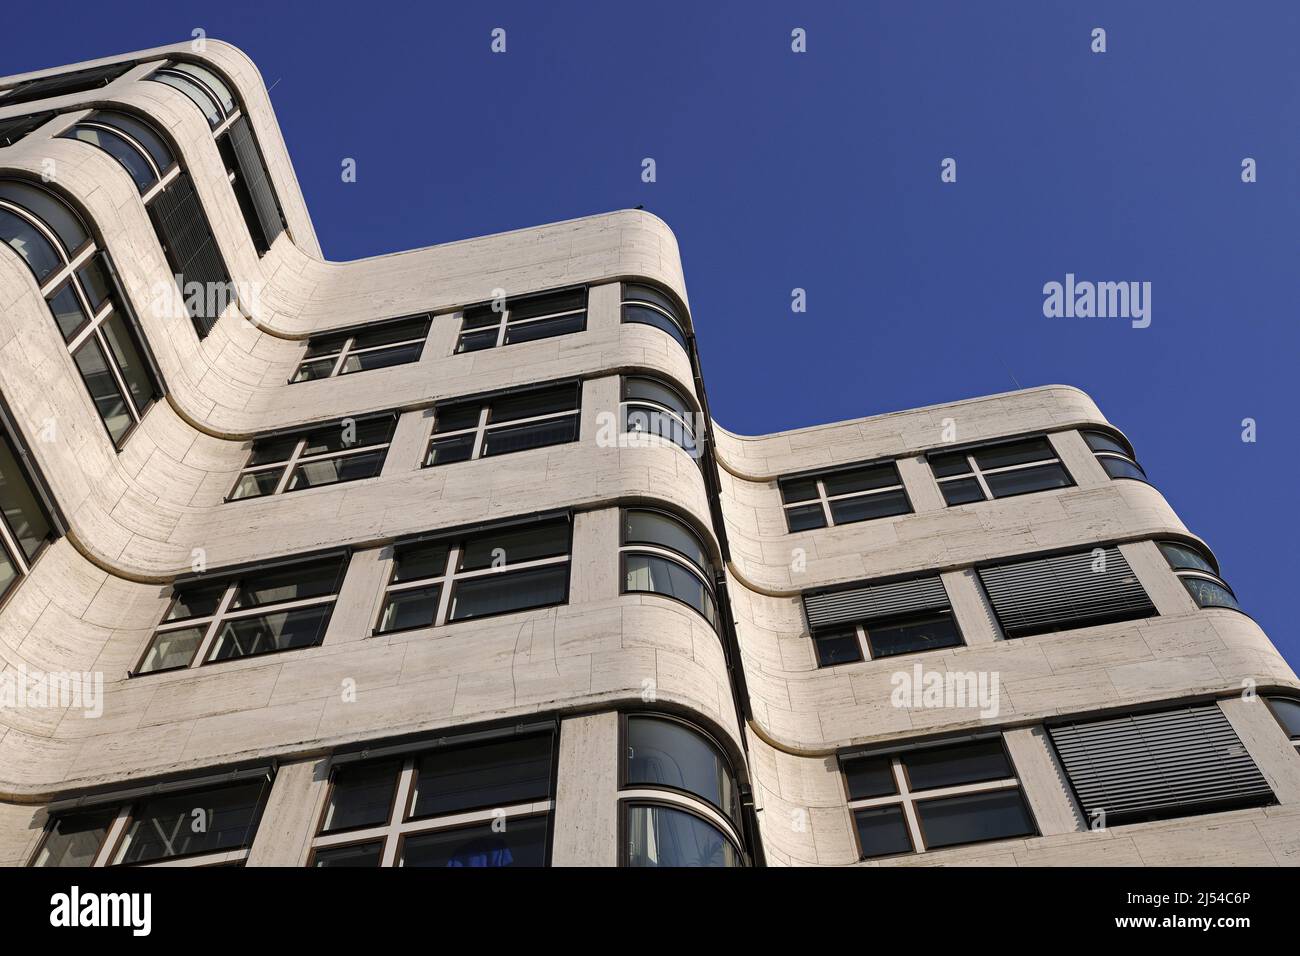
{"x": 843, "y": 496}
{"x": 484, "y": 804}
{"x": 490, "y": 572}
{"x": 999, "y": 470}
{"x": 260, "y": 611}
{"x": 935, "y": 796}
{"x": 512, "y": 421}
{"x": 1064, "y": 591}
{"x": 870, "y": 621}
{"x": 385, "y": 344}
{"x": 346, "y": 450}
{"x": 1157, "y": 765}
{"x": 162, "y": 828}
{"x": 522, "y": 319}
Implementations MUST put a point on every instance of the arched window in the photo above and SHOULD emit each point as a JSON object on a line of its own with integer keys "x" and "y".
{"x": 661, "y": 555}
{"x": 645, "y": 305}
{"x": 1115, "y": 455}
{"x": 652, "y": 407}
{"x": 80, "y": 287}
{"x": 1200, "y": 575}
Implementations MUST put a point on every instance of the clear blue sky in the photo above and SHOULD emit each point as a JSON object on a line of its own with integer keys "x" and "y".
{"x": 821, "y": 171}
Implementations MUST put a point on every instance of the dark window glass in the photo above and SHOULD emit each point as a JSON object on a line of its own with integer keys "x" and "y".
{"x": 521, "y": 843}
{"x": 1287, "y": 712}
{"x": 329, "y": 471}
{"x": 68, "y": 313}
{"x": 1099, "y": 441}
{"x": 74, "y": 839}
{"x": 661, "y": 836}
{"x": 950, "y": 463}
{"x": 62, "y": 84}
{"x": 334, "y": 438}
{"x": 882, "y": 505}
{"x": 669, "y": 754}
{"x": 95, "y": 281}
{"x": 199, "y": 600}
{"x": 361, "y": 795}
{"x": 514, "y": 546}
{"x": 101, "y": 384}
{"x": 269, "y": 451}
{"x": 861, "y": 479}
{"x": 509, "y": 408}
{"x": 1013, "y": 453}
{"x": 477, "y": 341}
{"x": 798, "y": 489}
{"x": 404, "y": 610}
{"x": 290, "y": 583}
{"x": 643, "y": 315}
{"x": 268, "y": 633}
{"x": 310, "y": 371}
{"x": 1121, "y": 468}
{"x": 653, "y": 527}
{"x": 130, "y": 361}
{"x": 381, "y": 358}
{"x": 1183, "y": 558}
{"x": 8, "y": 571}
{"x": 255, "y": 484}
{"x": 454, "y": 418}
{"x": 141, "y": 133}
{"x": 28, "y": 242}
{"x": 197, "y": 95}
{"x": 974, "y": 818}
{"x": 962, "y": 491}
{"x": 646, "y": 389}
{"x": 870, "y": 777}
{"x": 1003, "y": 484}
{"x": 837, "y": 647}
{"x": 908, "y": 635}
{"x": 395, "y": 332}
{"x": 648, "y": 572}
{"x": 165, "y": 826}
{"x": 481, "y": 317}
{"x": 531, "y": 331}
{"x": 491, "y": 775}
{"x": 448, "y": 451}
{"x": 509, "y": 591}
{"x": 882, "y": 831}
{"x": 948, "y": 766}
{"x": 126, "y": 154}
{"x": 423, "y": 561}
{"x": 53, "y": 212}
{"x": 23, "y": 512}
{"x": 172, "y": 649}
{"x": 1208, "y": 593}
{"x": 805, "y": 517}
{"x": 502, "y": 441}
{"x": 550, "y": 303}
{"x": 361, "y": 854}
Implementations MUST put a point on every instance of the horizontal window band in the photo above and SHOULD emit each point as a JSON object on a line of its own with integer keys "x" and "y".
{"x": 304, "y": 430}
{"x": 416, "y": 744}
{"x": 852, "y": 605}
{"x": 462, "y": 531}
{"x": 229, "y": 573}
{"x": 483, "y": 397}
{"x": 105, "y": 798}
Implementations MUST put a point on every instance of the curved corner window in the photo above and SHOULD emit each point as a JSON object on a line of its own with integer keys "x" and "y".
{"x": 86, "y": 301}
{"x": 1287, "y": 712}
{"x": 647, "y": 306}
{"x": 1115, "y": 455}
{"x": 661, "y": 555}
{"x": 651, "y": 407}
{"x": 662, "y": 752}
{"x": 1200, "y": 575}
{"x": 664, "y": 836}
{"x": 25, "y": 524}
{"x": 132, "y": 142}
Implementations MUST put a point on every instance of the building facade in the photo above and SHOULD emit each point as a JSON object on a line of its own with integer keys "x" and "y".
{"x": 437, "y": 558}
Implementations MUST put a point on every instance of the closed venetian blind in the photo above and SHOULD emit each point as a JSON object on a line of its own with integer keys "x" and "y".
{"x": 875, "y": 601}
{"x": 191, "y": 251}
{"x": 1168, "y": 763}
{"x": 1064, "y": 591}
{"x": 255, "y": 178}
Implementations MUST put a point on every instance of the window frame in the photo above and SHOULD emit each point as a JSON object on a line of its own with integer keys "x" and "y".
{"x": 1109, "y": 454}
{"x": 231, "y": 582}
{"x": 35, "y": 482}
{"x": 348, "y": 348}
{"x": 447, "y": 581}
{"x": 910, "y": 800}
{"x": 825, "y": 500}
{"x": 979, "y": 474}
{"x": 627, "y": 404}
{"x": 624, "y": 747}
{"x": 625, "y": 299}
{"x": 1269, "y": 699}
{"x": 1199, "y": 574}
{"x": 399, "y": 823}
{"x": 862, "y": 630}
{"x": 504, "y": 323}
{"x": 289, "y": 466}
{"x": 666, "y": 553}
{"x": 485, "y": 426}
{"x": 162, "y": 177}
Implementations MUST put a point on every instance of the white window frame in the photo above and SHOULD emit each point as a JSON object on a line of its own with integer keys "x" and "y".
{"x": 297, "y": 457}
{"x": 825, "y": 499}
{"x": 347, "y": 350}
{"x": 978, "y": 473}
{"x": 505, "y": 322}
{"x": 484, "y": 427}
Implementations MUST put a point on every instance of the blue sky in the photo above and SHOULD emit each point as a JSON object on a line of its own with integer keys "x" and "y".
{"x": 821, "y": 171}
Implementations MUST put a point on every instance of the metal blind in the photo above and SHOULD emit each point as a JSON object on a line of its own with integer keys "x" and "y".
{"x": 1044, "y": 594}
{"x": 256, "y": 179}
{"x": 874, "y": 601}
{"x": 1170, "y": 763}
{"x": 191, "y": 248}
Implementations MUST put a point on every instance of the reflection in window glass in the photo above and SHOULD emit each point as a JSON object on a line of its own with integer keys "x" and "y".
{"x": 670, "y": 754}
{"x": 75, "y": 838}
{"x": 521, "y": 842}
{"x": 663, "y": 836}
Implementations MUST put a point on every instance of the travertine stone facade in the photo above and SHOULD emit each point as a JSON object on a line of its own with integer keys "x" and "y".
{"x": 137, "y": 517}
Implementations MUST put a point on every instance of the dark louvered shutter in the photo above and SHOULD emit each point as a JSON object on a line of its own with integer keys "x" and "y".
{"x": 191, "y": 250}
{"x": 1047, "y": 594}
{"x": 1165, "y": 764}
{"x": 875, "y": 601}
{"x": 253, "y": 171}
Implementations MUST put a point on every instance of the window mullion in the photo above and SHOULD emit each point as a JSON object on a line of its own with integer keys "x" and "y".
{"x": 289, "y": 466}
{"x": 205, "y": 645}
{"x": 979, "y": 477}
{"x": 863, "y": 642}
{"x": 909, "y": 806}
{"x": 405, "y": 786}
{"x": 444, "y": 595}
{"x": 343, "y": 357}
{"x": 480, "y": 434}
{"x": 825, "y": 503}
{"x": 110, "y": 851}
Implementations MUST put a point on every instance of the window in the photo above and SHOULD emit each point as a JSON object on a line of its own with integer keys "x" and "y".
{"x": 663, "y": 752}
{"x": 485, "y": 804}
{"x": 1287, "y": 712}
{"x": 161, "y": 828}
{"x": 644, "y": 305}
{"x": 64, "y": 84}
{"x": 135, "y": 144}
{"x": 651, "y": 407}
{"x": 346, "y": 450}
{"x": 871, "y": 621}
{"x": 205, "y": 89}
{"x": 664, "y": 836}
{"x": 1199, "y": 574}
{"x": 934, "y": 797}
{"x": 14, "y": 128}
{"x": 522, "y": 319}
{"x": 374, "y": 346}
{"x": 85, "y": 299}
{"x": 25, "y": 524}
{"x": 661, "y": 555}
{"x": 1115, "y": 455}
{"x": 497, "y": 571}
{"x": 1065, "y": 591}
{"x": 1157, "y": 765}
{"x": 263, "y": 610}
{"x": 843, "y": 496}
{"x": 507, "y": 422}
{"x": 999, "y": 470}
